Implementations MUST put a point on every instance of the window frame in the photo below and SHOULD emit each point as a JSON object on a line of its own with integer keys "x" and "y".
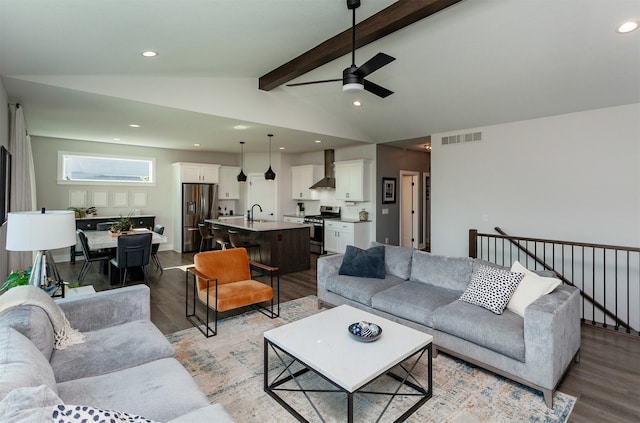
{"x": 62, "y": 181}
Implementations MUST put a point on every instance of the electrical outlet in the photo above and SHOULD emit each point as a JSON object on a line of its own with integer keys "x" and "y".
{"x": 386, "y": 240}
{"x": 385, "y": 211}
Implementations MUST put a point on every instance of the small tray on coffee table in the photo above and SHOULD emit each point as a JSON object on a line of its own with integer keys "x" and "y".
{"x": 365, "y": 331}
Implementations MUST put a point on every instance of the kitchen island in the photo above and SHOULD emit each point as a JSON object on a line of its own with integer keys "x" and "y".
{"x": 282, "y": 244}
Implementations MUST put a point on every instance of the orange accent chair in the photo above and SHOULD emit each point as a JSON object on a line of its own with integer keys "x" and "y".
{"x": 221, "y": 280}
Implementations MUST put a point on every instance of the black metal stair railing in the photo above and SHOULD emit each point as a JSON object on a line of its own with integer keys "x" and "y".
{"x": 608, "y": 276}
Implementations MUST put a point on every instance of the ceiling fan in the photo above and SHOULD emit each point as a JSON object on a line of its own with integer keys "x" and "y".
{"x": 353, "y": 76}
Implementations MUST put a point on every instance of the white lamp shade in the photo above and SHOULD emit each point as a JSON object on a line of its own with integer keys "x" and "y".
{"x": 35, "y": 231}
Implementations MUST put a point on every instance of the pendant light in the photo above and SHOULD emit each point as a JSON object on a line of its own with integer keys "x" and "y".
{"x": 241, "y": 176}
{"x": 269, "y": 175}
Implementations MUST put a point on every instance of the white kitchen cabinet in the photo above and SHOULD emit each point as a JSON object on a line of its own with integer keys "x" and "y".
{"x": 229, "y": 187}
{"x": 302, "y": 177}
{"x": 339, "y": 234}
{"x": 198, "y": 172}
{"x": 352, "y": 180}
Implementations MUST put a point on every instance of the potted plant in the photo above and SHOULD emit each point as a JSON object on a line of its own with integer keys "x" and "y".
{"x": 80, "y": 213}
{"x": 17, "y": 278}
{"x": 121, "y": 225}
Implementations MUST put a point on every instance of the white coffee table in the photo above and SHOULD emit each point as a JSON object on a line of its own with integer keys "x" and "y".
{"x": 321, "y": 343}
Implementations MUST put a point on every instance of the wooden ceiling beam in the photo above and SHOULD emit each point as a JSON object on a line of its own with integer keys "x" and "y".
{"x": 395, "y": 17}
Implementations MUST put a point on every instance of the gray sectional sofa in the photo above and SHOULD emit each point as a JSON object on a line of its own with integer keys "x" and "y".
{"x": 422, "y": 291}
{"x": 125, "y": 363}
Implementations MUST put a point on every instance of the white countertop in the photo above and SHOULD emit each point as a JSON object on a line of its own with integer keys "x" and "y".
{"x": 353, "y": 221}
{"x": 113, "y": 217}
{"x": 257, "y": 225}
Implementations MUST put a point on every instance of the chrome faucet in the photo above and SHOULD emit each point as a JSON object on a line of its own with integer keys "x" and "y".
{"x": 251, "y": 216}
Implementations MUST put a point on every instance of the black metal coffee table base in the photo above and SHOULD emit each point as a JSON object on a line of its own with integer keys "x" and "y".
{"x": 287, "y": 374}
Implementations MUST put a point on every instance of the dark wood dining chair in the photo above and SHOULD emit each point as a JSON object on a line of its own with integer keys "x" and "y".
{"x": 134, "y": 251}
{"x": 159, "y": 229}
{"x": 103, "y": 226}
{"x": 90, "y": 256}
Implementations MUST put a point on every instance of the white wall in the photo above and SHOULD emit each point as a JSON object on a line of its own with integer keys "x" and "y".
{"x": 159, "y": 198}
{"x": 573, "y": 177}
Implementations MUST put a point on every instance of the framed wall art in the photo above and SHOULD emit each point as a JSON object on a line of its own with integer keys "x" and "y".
{"x": 388, "y": 190}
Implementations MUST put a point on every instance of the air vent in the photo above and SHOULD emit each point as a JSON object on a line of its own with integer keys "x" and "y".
{"x": 462, "y": 138}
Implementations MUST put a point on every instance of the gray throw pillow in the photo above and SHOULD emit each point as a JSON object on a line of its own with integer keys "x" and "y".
{"x": 363, "y": 263}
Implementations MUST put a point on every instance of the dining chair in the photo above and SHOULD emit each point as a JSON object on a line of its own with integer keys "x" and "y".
{"x": 159, "y": 229}
{"x": 90, "y": 256}
{"x": 221, "y": 280}
{"x": 236, "y": 241}
{"x": 134, "y": 251}
{"x": 205, "y": 236}
{"x": 103, "y": 226}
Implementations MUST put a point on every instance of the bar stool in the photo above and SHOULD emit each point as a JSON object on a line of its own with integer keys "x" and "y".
{"x": 237, "y": 242}
{"x": 220, "y": 238}
{"x": 205, "y": 235}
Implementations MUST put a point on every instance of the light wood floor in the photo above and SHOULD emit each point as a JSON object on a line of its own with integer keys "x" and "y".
{"x": 606, "y": 381}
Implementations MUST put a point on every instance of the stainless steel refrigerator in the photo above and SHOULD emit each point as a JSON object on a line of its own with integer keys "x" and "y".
{"x": 199, "y": 202}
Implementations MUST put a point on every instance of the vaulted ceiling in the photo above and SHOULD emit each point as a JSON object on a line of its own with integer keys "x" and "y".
{"x": 76, "y": 68}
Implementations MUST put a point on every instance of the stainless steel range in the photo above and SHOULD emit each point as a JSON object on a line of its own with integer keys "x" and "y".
{"x": 317, "y": 234}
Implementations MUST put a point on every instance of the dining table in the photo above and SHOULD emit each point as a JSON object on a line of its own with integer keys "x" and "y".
{"x": 102, "y": 240}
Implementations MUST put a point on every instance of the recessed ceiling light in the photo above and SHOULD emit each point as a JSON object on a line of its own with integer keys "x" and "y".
{"x": 116, "y": 139}
{"x": 196, "y": 145}
{"x": 281, "y": 148}
{"x": 357, "y": 103}
{"x": 241, "y": 127}
{"x": 134, "y": 125}
{"x": 627, "y": 27}
{"x": 318, "y": 141}
{"x": 149, "y": 53}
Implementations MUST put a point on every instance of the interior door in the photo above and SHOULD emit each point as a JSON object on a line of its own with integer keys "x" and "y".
{"x": 409, "y": 209}
{"x": 264, "y": 193}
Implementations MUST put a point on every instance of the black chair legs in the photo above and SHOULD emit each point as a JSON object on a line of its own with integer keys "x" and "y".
{"x": 156, "y": 261}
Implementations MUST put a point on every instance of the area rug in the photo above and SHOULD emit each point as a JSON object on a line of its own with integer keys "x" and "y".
{"x": 229, "y": 369}
{"x": 183, "y": 267}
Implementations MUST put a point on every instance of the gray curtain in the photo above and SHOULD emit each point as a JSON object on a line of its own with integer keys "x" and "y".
{"x": 23, "y": 192}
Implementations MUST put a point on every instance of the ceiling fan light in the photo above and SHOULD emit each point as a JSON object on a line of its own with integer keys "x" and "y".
{"x": 352, "y": 88}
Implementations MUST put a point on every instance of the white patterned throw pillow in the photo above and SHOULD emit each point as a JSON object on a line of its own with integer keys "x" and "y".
{"x": 491, "y": 288}
{"x": 63, "y": 413}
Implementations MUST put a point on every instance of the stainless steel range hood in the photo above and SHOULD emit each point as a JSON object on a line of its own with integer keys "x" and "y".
{"x": 329, "y": 180}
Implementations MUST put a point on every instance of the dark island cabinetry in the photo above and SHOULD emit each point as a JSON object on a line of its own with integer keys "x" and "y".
{"x": 282, "y": 244}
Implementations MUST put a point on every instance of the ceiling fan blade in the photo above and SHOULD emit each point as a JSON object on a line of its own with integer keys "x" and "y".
{"x": 313, "y": 82}
{"x": 373, "y": 64}
{"x": 377, "y": 89}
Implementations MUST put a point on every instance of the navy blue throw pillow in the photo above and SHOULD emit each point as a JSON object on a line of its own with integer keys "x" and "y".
{"x": 363, "y": 263}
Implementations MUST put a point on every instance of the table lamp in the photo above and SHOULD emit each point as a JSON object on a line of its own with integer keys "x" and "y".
{"x": 42, "y": 231}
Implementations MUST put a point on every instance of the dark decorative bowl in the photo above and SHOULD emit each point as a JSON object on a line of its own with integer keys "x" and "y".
{"x": 365, "y": 331}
